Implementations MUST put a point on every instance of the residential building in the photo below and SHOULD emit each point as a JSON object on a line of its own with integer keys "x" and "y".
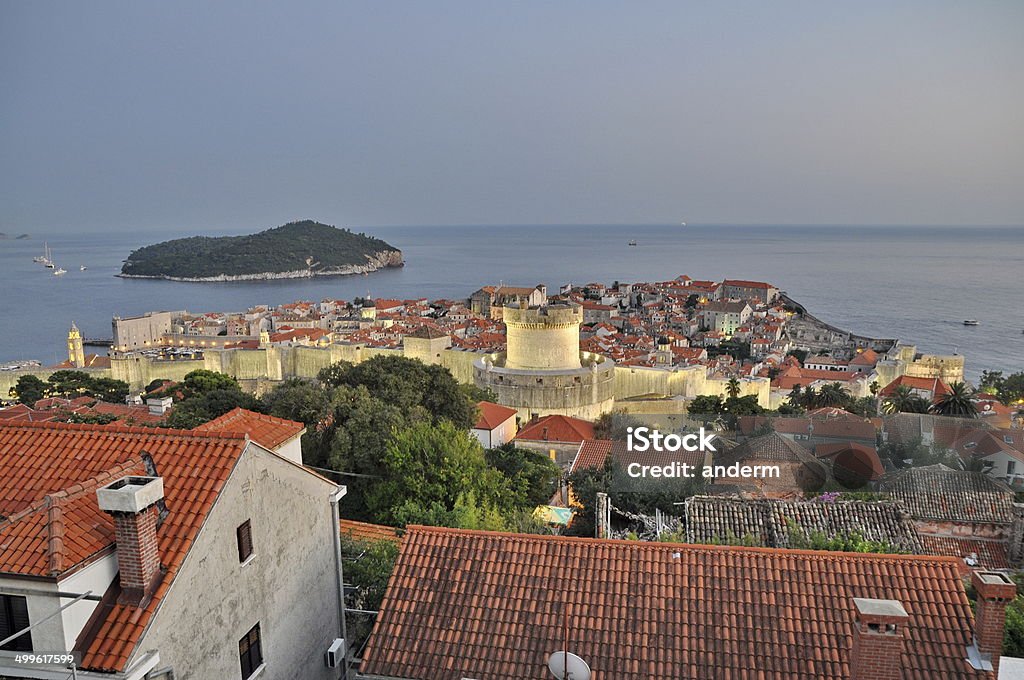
{"x": 725, "y": 317}
{"x": 496, "y": 424}
{"x": 197, "y": 555}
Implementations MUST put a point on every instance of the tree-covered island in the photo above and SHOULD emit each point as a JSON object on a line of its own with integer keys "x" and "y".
{"x": 295, "y": 250}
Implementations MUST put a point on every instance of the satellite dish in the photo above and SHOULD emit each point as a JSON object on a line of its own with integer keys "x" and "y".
{"x": 568, "y": 666}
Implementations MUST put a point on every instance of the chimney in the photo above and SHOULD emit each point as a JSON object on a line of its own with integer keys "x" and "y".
{"x": 132, "y": 502}
{"x": 995, "y": 591}
{"x": 159, "y": 406}
{"x": 878, "y": 639}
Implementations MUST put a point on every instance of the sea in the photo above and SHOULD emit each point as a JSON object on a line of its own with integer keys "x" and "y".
{"x": 915, "y": 283}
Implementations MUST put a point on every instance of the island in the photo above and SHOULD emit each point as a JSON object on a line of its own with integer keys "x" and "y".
{"x": 296, "y": 250}
{"x": 19, "y": 237}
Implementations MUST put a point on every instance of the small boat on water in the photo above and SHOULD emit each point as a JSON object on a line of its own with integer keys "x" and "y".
{"x": 631, "y": 243}
{"x": 60, "y": 271}
{"x": 970, "y": 322}
{"x": 82, "y": 268}
{"x": 44, "y": 259}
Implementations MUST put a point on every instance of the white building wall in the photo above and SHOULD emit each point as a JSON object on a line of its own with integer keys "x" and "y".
{"x": 96, "y": 577}
{"x": 289, "y": 586}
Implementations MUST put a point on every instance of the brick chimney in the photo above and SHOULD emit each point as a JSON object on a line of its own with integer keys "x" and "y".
{"x": 995, "y": 591}
{"x": 878, "y": 637}
{"x": 132, "y": 503}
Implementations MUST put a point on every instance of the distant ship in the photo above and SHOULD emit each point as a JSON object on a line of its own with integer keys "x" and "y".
{"x": 82, "y": 268}
{"x": 631, "y": 243}
{"x": 45, "y": 257}
{"x": 970, "y": 322}
{"x": 682, "y": 224}
{"x": 60, "y": 272}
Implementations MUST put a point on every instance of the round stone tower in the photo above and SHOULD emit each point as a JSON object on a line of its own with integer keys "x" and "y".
{"x": 542, "y": 372}
{"x": 543, "y": 338}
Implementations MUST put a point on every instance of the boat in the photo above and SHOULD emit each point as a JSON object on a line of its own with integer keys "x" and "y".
{"x": 82, "y": 268}
{"x": 60, "y": 271}
{"x": 682, "y": 224}
{"x": 44, "y": 259}
{"x": 970, "y": 322}
{"x": 631, "y": 243}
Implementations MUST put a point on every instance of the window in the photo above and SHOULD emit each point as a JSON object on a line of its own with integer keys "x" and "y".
{"x": 244, "y": 535}
{"x": 250, "y": 652}
{"x": 14, "y": 617}
{"x": 1011, "y": 466}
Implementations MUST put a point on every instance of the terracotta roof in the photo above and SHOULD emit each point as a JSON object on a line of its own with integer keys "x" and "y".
{"x": 364, "y": 531}
{"x": 934, "y": 385}
{"x": 937, "y": 492}
{"x": 492, "y": 415}
{"x": 557, "y": 428}
{"x": 738, "y": 283}
{"x": 767, "y": 522}
{"x": 491, "y": 606}
{"x": 68, "y": 459}
{"x": 990, "y": 554}
{"x": 852, "y": 458}
{"x": 592, "y": 454}
{"x": 267, "y": 431}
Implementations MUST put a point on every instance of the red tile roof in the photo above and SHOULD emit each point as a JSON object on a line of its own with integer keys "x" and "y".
{"x": 66, "y": 461}
{"x": 592, "y": 455}
{"x": 364, "y": 531}
{"x": 557, "y": 428}
{"x": 492, "y": 415}
{"x": 934, "y": 385}
{"x": 491, "y": 606}
{"x": 990, "y": 554}
{"x": 267, "y": 431}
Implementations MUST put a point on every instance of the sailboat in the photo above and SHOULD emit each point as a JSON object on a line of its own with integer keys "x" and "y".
{"x": 44, "y": 259}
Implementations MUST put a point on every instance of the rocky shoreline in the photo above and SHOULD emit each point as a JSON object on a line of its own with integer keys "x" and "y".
{"x": 380, "y": 260}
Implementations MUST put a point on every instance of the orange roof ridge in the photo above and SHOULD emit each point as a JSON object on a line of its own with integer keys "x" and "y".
{"x": 55, "y": 533}
{"x": 659, "y": 545}
{"x": 113, "y": 428}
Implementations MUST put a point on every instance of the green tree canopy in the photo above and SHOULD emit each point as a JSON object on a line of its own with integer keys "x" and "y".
{"x": 29, "y": 389}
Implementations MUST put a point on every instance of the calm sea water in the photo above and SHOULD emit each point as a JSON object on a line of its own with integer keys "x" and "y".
{"x": 914, "y": 283}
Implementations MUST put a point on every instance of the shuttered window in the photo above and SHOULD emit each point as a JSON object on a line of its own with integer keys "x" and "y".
{"x": 250, "y": 652}
{"x": 244, "y": 535}
{"x": 14, "y": 617}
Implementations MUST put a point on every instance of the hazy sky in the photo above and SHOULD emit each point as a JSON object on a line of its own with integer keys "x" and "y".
{"x": 225, "y": 115}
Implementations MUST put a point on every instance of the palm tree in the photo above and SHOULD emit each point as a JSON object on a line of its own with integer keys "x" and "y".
{"x": 732, "y": 388}
{"x": 957, "y": 403}
{"x": 833, "y": 394}
{"x": 903, "y": 400}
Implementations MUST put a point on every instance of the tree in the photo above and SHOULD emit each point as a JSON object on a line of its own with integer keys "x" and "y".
{"x": 532, "y": 476}
{"x": 207, "y": 395}
{"x": 903, "y": 400}
{"x": 408, "y": 384}
{"x": 957, "y": 403}
{"x": 109, "y": 390}
{"x": 29, "y": 389}
{"x": 706, "y": 404}
{"x": 833, "y": 395}
{"x": 437, "y": 473}
{"x": 800, "y": 354}
{"x": 732, "y": 388}
{"x": 68, "y": 384}
{"x": 201, "y": 381}
{"x": 202, "y": 408}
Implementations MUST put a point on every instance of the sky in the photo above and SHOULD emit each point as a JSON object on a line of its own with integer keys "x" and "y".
{"x": 225, "y": 115}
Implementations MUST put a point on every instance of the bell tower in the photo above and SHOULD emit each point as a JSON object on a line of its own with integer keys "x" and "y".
{"x": 76, "y": 351}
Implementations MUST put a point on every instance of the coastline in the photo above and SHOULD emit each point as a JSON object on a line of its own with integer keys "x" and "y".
{"x": 382, "y": 259}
